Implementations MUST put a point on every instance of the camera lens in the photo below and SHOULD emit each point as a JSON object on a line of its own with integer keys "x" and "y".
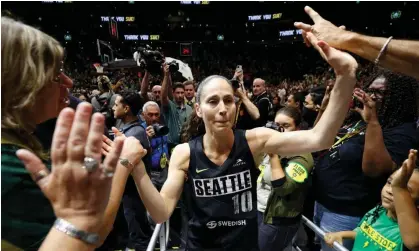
{"x": 160, "y": 130}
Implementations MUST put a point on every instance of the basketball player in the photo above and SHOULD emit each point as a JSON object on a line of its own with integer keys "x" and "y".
{"x": 219, "y": 168}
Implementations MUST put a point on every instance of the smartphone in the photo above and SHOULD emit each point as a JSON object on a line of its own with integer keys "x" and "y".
{"x": 239, "y": 68}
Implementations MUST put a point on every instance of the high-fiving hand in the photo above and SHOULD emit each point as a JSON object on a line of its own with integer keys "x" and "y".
{"x": 323, "y": 30}
{"x": 342, "y": 62}
{"x": 133, "y": 151}
{"x": 79, "y": 184}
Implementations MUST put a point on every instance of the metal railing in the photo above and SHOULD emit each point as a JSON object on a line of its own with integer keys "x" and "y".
{"x": 162, "y": 232}
{"x": 321, "y": 233}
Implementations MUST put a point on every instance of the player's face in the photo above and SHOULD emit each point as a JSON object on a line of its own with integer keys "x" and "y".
{"x": 217, "y": 107}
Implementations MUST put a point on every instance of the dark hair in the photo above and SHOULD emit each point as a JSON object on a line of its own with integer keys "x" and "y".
{"x": 374, "y": 214}
{"x": 291, "y": 112}
{"x": 299, "y": 97}
{"x": 195, "y": 125}
{"x": 317, "y": 98}
{"x": 178, "y": 85}
{"x": 189, "y": 82}
{"x": 400, "y": 101}
{"x": 133, "y": 100}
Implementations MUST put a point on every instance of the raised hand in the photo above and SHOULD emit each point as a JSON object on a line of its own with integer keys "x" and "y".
{"x": 402, "y": 176}
{"x": 79, "y": 184}
{"x": 323, "y": 30}
{"x": 342, "y": 62}
{"x": 369, "y": 111}
{"x": 166, "y": 71}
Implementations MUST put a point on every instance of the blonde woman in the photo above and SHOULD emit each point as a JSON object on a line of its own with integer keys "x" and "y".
{"x": 33, "y": 90}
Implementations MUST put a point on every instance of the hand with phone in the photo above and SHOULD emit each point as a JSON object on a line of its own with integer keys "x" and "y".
{"x": 238, "y": 75}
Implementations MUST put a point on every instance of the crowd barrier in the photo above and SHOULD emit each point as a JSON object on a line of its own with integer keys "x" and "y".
{"x": 319, "y": 232}
{"x": 161, "y": 232}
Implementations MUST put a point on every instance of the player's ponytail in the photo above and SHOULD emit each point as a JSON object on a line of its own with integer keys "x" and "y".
{"x": 193, "y": 128}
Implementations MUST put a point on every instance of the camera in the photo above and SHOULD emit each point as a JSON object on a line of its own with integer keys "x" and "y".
{"x": 149, "y": 59}
{"x": 235, "y": 83}
{"x": 173, "y": 66}
{"x": 274, "y": 126}
{"x": 160, "y": 130}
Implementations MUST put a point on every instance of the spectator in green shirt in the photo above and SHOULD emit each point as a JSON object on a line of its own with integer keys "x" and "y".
{"x": 176, "y": 112}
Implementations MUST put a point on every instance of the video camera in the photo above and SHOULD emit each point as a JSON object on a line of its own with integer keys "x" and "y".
{"x": 152, "y": 60}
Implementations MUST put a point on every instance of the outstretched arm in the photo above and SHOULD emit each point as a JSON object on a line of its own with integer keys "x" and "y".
{"x": 401, "y": 55}
{"x": 166, "y": 87}
{"x": 323, "y": 134}
{"x": 161, "y": 205}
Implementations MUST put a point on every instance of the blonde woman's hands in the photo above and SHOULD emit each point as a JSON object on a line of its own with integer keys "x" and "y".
{"x": 79, "y": 184}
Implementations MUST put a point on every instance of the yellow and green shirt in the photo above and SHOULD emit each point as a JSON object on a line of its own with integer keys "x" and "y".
{"x": 383, "y": 234}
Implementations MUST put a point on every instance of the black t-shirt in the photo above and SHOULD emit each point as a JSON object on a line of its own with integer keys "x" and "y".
{"x": 264, "y": 105}
{"x": 221, "y": 200}
{"x": 340, "y": 184}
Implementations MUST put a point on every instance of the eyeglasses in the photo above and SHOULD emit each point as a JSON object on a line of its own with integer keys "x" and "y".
{"x": 60, "y": 70}
{"x": 376, "y": 92}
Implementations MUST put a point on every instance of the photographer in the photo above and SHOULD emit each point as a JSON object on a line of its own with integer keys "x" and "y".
{"x": 157, "y": 135}
{"x": 175, "y": 112}
{"x": 247, "y": 112}
{"x": 104, "y": 101}
{"x": 281, "y": 188}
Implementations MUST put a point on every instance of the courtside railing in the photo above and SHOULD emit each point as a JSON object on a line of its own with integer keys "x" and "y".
{"x": 161, "y": 232}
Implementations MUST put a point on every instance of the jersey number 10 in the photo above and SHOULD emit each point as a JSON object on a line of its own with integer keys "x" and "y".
{"x": 242, "y": 201}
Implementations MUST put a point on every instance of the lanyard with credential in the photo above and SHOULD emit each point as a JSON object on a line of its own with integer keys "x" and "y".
{"x": 352, "y": 131}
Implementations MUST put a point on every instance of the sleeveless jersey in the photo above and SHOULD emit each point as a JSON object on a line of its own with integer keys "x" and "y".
{"x": 221, "y": 200}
